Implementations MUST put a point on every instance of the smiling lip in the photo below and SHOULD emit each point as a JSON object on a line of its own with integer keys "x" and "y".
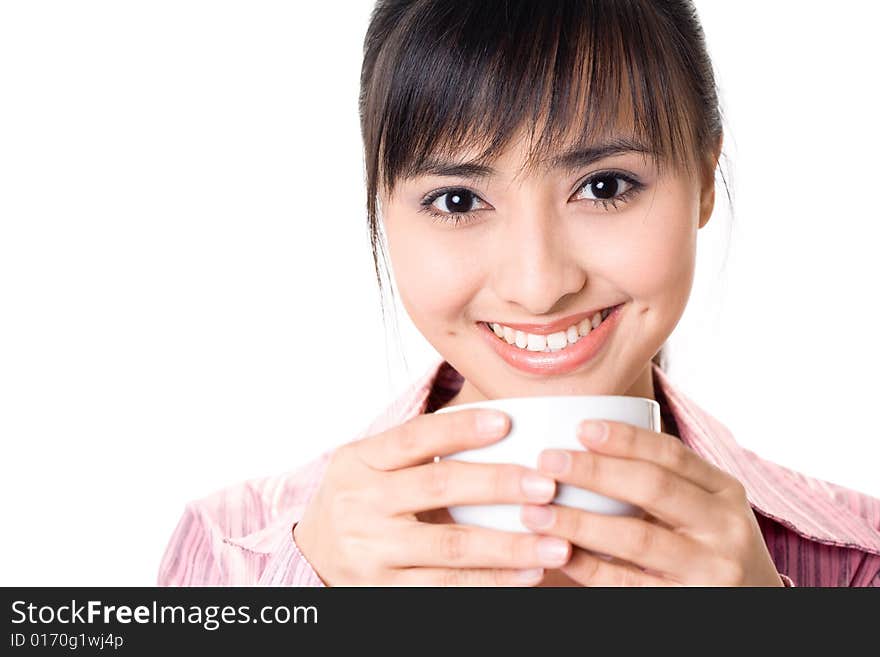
{"x": 553, "y": 327}
{"x": 555, "y": 362}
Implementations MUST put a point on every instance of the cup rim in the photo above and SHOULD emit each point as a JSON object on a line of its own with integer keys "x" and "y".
{"x": 650, "y": 402}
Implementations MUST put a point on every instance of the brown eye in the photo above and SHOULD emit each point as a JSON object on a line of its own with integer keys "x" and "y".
{"x": 609, "y": 188}
{"x": 453, "y": 205}
{"x": 605, "y": 186}
{"x": 458, "y": 201}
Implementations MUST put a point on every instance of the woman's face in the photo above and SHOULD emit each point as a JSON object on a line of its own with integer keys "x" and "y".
{"x": 539, "y": 247}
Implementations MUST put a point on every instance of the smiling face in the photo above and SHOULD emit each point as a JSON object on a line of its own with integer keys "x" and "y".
{"x": 536, "y": 248}
{"x": 451, "y": 101}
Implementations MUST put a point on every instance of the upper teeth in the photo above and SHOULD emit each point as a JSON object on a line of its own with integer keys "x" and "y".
{"x": 554, "y": 341}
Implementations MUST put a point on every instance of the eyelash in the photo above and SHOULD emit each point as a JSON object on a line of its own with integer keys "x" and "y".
{"x": 456, "y": 218}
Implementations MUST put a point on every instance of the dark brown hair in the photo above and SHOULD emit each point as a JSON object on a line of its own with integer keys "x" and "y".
{"x": 442, "y": 76}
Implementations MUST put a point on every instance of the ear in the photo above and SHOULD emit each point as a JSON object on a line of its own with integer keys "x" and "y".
{"x": 707, "y": 189}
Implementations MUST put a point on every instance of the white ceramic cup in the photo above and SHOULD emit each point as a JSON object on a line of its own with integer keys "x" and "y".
{"x": 538, "y": 423}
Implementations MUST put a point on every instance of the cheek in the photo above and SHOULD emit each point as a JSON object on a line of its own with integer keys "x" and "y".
{"x": 436, "y": 277}
{"x": 656, "y": 259}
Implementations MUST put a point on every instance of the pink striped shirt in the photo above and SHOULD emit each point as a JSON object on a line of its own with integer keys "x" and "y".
{"x": 818, "y": 533}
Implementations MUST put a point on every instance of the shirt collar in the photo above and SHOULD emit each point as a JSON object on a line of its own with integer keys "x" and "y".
{"x": 792, "y": 499}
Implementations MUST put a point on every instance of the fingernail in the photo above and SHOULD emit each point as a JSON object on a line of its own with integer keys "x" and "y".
{"x": 538, "y": 516}
{"x": 552, "y": 551}
{"x": 491, "y": 423}
{"x": 536, "y": 487}
{"x": 553, "y": 460}
{"x": 594, "y": 432}
{"x": 530, "y": 575}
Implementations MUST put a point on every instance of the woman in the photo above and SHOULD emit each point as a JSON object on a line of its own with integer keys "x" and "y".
{"x": 541, "y": 170}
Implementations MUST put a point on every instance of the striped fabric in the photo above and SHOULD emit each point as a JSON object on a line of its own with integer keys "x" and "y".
{"x": 818, "y": 533}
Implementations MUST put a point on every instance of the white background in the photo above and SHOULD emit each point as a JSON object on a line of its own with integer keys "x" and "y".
{"x": 186, "y": 291}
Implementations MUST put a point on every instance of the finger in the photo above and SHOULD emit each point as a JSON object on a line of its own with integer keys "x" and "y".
{"x": 629, "y": 441}
{"x": 463, "y": 546}
{"x": 428, "y": 435}
{"x": 450, "y": 482}
{"x": 466, "y": 577}
{"x": 591, "y": 570}
{"x": 632, "y": 539}
{"x": 655, "y": 489}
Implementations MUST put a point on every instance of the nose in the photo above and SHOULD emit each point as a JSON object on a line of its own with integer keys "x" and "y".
{"x": 535, "y": 265}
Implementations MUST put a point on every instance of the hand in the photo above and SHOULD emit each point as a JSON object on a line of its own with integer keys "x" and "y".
{"x": 698, "y": 530}
{"x": 361, "y": 526}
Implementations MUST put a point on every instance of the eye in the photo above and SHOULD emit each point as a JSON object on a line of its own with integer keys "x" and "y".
{"x": 606, "y": 189}
{"x": 453, "y": 205}
{"x": 456, "y": 205}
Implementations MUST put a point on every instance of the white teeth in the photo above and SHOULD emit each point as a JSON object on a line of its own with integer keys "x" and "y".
{"x": 553, "y": 342}
{"x": 585, "y": 327}
{"x": 536, "y": 342}
{"x": 557, "y": 340}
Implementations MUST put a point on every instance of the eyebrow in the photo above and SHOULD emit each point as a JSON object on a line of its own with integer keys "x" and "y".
{"x": 574, "y": 158}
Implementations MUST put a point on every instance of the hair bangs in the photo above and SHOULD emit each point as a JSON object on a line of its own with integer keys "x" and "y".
{"x": 467, "y": 79}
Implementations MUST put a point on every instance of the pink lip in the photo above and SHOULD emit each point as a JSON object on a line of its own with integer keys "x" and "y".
{"x": 556, "y": 362}
{"x": 553, "y": 327}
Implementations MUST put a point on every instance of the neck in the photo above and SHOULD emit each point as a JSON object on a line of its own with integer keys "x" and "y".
{"x": 643, "y": 386}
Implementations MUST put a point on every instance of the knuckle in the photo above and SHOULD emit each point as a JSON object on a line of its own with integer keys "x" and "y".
{"x": 589, "y": 466}
{"x": 505, "y": 481}
{"x": 625, "y": 434}
{"x": 464, "y": 423}
{"x": 730, "y": 571}
{"x": 374, "y": 497}
{"x": 395, "y": 577}
{"x": 345, "y": 506}
{"x": 358, "y": 453}
{"x": 451, "y": 577}
{"x": 675, "y": 454}
{"x": 351, "y": 546}
{"x": 737, "y": 490}
{"x": 453, "y": 544}
{"x": 494, "y": 481}
{"x": 376, "y": 563}
{"x": 662, "y": 486}
{"x": 589, "y": 567}
{"x": 516, "y": 550}
{"x": 641, "y": 538}
{"x": 521, "y": 548}
{"x": 508, "y": 577}
{"x": 574, "y": 523}
{"x": 343, "y": 454}
{"x": 626, "y": 576}
{"x": 407, "y": 438}
{"x": 435, "y": 482}
{"x": 500, "y": 577}
{"x": 739, "y": 531}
